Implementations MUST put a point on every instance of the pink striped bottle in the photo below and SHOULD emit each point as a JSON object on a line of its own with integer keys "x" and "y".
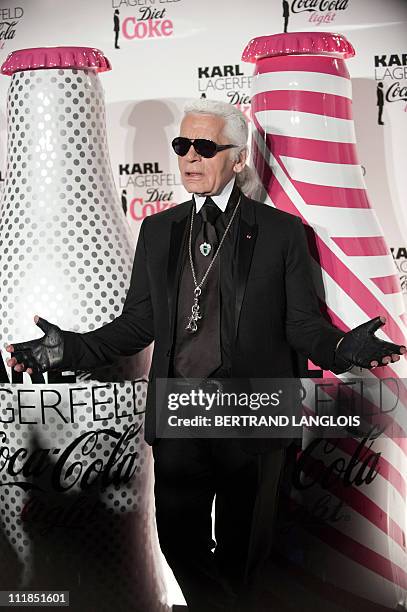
{"x": 304, "y": 151}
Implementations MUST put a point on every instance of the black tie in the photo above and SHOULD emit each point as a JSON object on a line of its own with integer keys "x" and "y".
{"x": 201, "y": 354}
{"x": 209, "y": 213}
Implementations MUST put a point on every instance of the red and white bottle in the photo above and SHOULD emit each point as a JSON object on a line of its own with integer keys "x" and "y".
{"x": 305, "y": 153}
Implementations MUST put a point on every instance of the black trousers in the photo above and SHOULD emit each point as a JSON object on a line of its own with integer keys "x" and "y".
{"x": 188, "y": 474}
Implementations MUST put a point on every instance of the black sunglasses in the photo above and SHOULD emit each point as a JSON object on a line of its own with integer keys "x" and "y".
{"x": 205, "y": 148}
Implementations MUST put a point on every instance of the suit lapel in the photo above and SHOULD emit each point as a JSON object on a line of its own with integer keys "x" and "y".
{"x": 247, "y": 235}
{"x": 176, "y": 249}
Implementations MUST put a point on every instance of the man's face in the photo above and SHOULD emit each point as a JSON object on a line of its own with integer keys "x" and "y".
{"x": 207, "y": 175}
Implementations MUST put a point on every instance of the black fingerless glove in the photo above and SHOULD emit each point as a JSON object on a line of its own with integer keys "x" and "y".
{"x": 43, "y": 354}
{"x": 359, "y": 347}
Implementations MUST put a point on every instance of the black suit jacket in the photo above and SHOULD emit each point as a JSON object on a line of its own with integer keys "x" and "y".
{"x": 276, "y": 309}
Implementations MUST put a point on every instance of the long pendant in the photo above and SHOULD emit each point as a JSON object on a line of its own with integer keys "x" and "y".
{"x": 192, "y": 326}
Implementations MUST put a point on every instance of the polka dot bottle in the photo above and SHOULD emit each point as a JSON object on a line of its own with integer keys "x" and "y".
{"x": 76, "y": 499}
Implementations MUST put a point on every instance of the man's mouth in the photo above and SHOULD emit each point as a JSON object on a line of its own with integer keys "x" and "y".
{"x": 193, "y": 174}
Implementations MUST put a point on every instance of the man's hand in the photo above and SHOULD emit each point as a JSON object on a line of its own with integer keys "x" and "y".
{"x": 360, "y": 347}
{"x": 40, "y": 355}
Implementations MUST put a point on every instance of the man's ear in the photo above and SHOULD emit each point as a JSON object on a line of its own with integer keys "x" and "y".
{"x": 241, "y": 161}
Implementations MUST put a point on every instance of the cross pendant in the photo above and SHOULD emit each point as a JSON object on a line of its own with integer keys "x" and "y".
{"x": 192, "y": 326}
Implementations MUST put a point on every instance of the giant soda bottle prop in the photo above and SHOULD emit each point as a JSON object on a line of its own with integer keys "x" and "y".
{"x": 76, "y": 504}
{"x": 350, "y": 494}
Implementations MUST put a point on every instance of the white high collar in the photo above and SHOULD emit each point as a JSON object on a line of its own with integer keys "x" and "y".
{"x": 221, "y": 200}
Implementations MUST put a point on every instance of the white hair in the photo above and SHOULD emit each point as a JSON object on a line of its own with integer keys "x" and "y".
{"x": 235, "y": 130}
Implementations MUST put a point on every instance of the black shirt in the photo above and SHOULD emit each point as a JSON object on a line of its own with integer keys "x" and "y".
{"x": 226, "y": 269}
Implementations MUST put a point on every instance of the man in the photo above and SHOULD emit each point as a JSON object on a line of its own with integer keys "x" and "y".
{"x": 380, "y": 103}
{"x": 286, "y": 14}
{"x": 222, "y": 284}
{"x": 116, "y": 28}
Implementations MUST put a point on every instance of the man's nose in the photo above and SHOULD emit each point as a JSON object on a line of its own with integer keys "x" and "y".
{"x": 192, "y": 155}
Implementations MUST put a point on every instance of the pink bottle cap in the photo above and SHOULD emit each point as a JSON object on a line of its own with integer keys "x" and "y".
{"x": 55, "y": 57}
{"x": 326, "y": 43}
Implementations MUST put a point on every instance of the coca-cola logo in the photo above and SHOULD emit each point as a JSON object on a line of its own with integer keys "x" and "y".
{"x": 300, "y": 6}
{"x": 66, "y": 475}
{"x": 64, "y": 481}
{"x": 9, "y": 19}
{"x": 320, "y": 466}
{"x": 396, "y": 92}
{"x": 322, "y": 11}
{"x": 17, "y": 467}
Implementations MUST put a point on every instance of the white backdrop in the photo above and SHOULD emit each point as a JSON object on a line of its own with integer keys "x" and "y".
{"x": 172, "y": 50}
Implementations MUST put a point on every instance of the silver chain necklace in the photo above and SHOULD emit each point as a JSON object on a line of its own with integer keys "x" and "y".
{"x": 192, "y": 326}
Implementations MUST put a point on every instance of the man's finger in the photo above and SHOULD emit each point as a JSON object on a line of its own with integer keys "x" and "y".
{"x": 30, "y": 364}
{"x": 384, "y": 348}
{"x": 395, "y": 357}
{"x": 374, "y": 364}
{"x": 386, "y": 360}
{"x": 44, "y": 325}
{"x": 19, "y": 357}
{"x": 395, "y": 348}
{"x": 23, "y": 346}
{"x": 23, "y": 356}
{"x": 373, "y": 325}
